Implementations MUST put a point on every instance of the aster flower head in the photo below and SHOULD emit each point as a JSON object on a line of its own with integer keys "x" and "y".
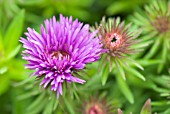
{"x": 97, "y": 106}
{"x": 60, "y": 50}
{"x": 117, "y": 39}
{"x": 154, "y": 20}
{"x": 158, "y": 16}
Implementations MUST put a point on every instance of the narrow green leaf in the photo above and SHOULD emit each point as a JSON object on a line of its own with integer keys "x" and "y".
{"x": 149, "y": 36}
{"x": 79, "y": 13}
{"x": 55, "y": 104}
{"x": 76, "y": 95}
{"x": 124, "y": 88}
{"x": 122, "y": 73}
{"x": 28, "y": 95}
{"x": 116, "y": 7}
{"x": 135, "y": 63}
{"x": 38, "y": 109}
{"x": 164, "y": 5}
{"x": 17, "y": 71}
{"x": 14, "y": 52}
{"x": 49, "y": 106}
{"x": 159, "y": 103}
{"x": 154, "y": 48}
{"x": 143, "y": 44}
{"x": 160, "y": 90}
{"x": 150, "y": 9}
{"x": 141, "y": 18}
{"x": 105, "y": 74}
{"x": 13, "y": 32}
{"x": 149, "y": 62}
{"x": 135, "y": 73}
{"x": 156, "y": 5}
{"x": 121, "y": 6}
{"x": 146, "y": 109}
{"x": 1, "y": 43}
{"x": 31, "y": 2}
{"x": 3, "y": 70}
{"x": 161, "y": 80}
{"x": 137, "y": 21}
{"x": 4, "y": 83}
{"x": 167, "y": 111}
{"x": 95, "y": 79}
{"x": 69, "y": 106}
{"x": 120, "y": 69}
{"x": 36, "y": 103}
{"x": 164, "y": 94}
{"x": 24, "y": 82}
{"x": 164, "y": 55}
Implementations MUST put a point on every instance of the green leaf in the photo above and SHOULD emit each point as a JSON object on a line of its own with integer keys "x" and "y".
{"x": 149, "y": 36}
{"x": 105, "y": 74}
{"x": 135, "y": 63}
{"x": 94, "y": 80}
{"x": 164, "y": 55}
{"x": 149, "y": 62}
{"x": 37, "y": 105}
{"x": 164, "y": 94}
{"x": 21, "y": 83}
{"x": 117, "y": 7}
{"x": 13, "y": 32}
{"x": 76, "y": 94}
{"x": 14, "y": 52}
{"x": 143, "y": 44}
{"x": 18, "y": 106}
{"x": 55, "y": 104}
{"x": 28, "y": 95}
{"x": 154, "y": 48}
{"x": 49, "y": 106}
{"x": 164, "y": 5}
{"x": 38, "y": 108}
{"x": 69, "y": 106}
{"x": 17, "y": 70}
{"x": 1, "y": 43}
{"x": 3, "y": 70}
{"x": 148, "y": 9}
{"x": 4, "y": 83}
{"x": 121, "y": 70}
{"x": 156, "y": 5}
{"x": 159, "y": 103}
{"x": 142, "y": 18}
{"x": 146, "y": 109}
{"x": 79, "y": 13}
{"x": 135, "y": 73}
{"x": 124, "y": 88}
{"x": 167, "y": 111}
{"x": 31, "y": 2}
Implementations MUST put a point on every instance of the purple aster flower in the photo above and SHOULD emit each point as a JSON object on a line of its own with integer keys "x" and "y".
{"x": 61, "y": 49}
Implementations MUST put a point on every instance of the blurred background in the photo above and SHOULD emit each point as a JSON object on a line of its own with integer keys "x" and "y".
{"x": 17, "y": 90}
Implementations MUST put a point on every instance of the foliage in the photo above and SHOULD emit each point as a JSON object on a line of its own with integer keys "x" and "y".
{"x": 21, "y": 94}
{"x": 9, "y": 47}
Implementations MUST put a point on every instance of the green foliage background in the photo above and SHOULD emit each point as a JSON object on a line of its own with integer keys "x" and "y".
{"x": 19, "y": 94}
